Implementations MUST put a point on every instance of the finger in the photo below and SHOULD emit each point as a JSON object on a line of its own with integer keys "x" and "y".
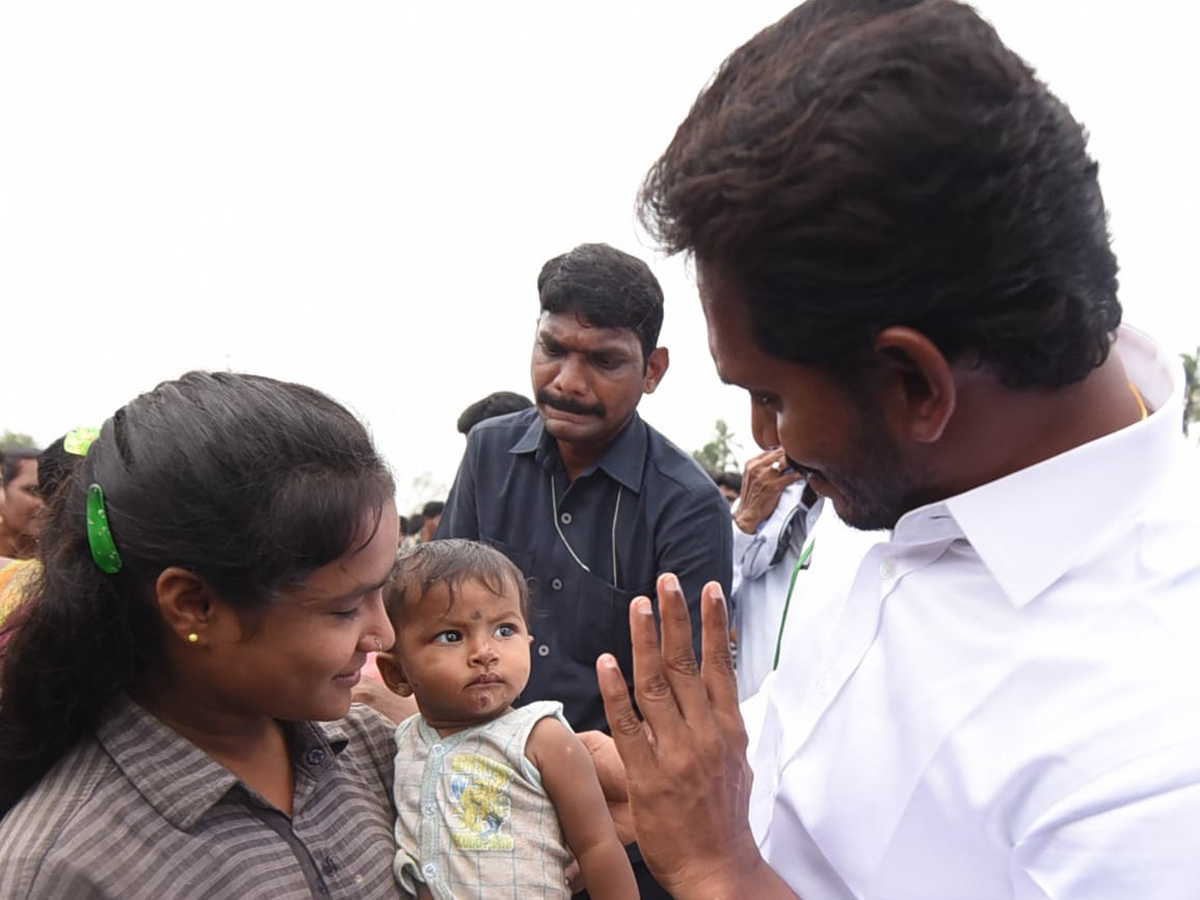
{"x": 628, "y": 732}
{"x": 764, "y": 460}
{"x": 655, "y": 698}
{"x": 720, "y": 679}
{"x": 680, "y": 666}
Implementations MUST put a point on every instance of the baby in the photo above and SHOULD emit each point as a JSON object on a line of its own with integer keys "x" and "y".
{"x": 493, "y": 801}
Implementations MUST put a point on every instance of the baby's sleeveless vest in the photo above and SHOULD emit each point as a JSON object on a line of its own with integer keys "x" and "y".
{"x": 474, "y": 821}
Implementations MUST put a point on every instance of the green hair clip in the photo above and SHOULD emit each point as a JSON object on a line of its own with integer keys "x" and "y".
{"x": 100, "y": 539}
{"x": 77, "y": 442}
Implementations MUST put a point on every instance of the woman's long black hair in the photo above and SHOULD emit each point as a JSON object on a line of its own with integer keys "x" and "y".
{"x": 249, "y": 482}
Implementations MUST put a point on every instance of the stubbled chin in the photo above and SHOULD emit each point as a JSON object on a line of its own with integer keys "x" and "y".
{"x": 823, "y": 488}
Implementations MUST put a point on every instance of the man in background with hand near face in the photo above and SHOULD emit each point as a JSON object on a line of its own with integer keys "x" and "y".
{"x": 589, "y": 501}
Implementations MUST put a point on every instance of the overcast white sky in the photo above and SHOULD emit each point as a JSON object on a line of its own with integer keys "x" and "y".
{"x": 359, "y": 195}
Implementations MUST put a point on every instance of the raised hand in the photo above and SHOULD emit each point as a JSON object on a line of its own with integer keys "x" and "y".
{"x": 764, "y": 480}
{"x": 687, "y": 776}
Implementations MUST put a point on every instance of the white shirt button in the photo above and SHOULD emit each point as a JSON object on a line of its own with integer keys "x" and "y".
{"x": 556, "y": 583}
{"x": 543, "y": 650}
{"x": 429, "y": 870}
{"x": 437, "y": 749}
{"x": 824, "y": 684}
{"x": 565, "y": 518}
{"x": 888, "y": 568}
{"x": 428, "y": 809}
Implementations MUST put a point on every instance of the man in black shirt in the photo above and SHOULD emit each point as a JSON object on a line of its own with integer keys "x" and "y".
{"x": 589, "y": 501}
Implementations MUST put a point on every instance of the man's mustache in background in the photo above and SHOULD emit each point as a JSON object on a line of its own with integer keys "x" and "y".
{"x": 562, "y": 404}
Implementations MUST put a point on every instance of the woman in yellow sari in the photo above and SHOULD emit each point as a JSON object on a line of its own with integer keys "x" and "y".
{"x": 15, "y": 575}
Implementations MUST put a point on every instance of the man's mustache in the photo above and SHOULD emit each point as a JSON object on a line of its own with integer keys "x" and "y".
{"x": 562, "y": 404}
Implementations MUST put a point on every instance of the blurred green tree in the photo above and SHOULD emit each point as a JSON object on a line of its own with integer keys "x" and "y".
{"x": 11, "y": 439}
{"x": 1191, "y": 394}
{"x": 718, "y": 454}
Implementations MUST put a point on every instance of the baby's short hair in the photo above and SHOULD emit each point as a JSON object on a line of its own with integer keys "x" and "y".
{"x": 451, "y": 562}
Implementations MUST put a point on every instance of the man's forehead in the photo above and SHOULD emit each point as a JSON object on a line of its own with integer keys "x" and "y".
{"x": 730, "y": 341}
{"x": 573, "y": 331}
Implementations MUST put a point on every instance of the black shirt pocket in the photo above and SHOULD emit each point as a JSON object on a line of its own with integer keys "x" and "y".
{"x": 602, "y": 622}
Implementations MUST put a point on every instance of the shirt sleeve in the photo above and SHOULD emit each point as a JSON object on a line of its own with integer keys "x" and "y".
{"x": 696, "y": 543}
{"x": 460, "y": 518}
{"x": 742, "y": 543}
{"x": 1129, "y": 833}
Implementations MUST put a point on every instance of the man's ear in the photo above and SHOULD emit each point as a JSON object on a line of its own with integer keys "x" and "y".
{"x": 918, "y": 388}
{"x": 392, "y": 673}
{"x": 656, "y": 368}
{"x": 187, "y": 604}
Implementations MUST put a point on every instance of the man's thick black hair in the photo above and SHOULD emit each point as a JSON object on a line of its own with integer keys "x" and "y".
{"x": 868, "y": 163}
{"x": 607, "y": 288}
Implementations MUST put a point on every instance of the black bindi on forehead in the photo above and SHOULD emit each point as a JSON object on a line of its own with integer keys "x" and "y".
{"x": 476, "y": 616}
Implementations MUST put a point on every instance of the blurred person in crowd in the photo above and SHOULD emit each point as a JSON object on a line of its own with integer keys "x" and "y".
{"x": 729, "y": 484}
{"x": 20, "y": 502}
{"x": 500, "y": 403}
{"x": 771, "y": 522}
{"x": 416, "y": 522}
{"x": 431, "y": 513}
{"x": 424, "y": 524}
{"x": 55, "y": 464}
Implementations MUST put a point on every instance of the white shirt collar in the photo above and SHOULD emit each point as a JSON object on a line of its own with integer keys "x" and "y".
{"x": 1027, "y": 543}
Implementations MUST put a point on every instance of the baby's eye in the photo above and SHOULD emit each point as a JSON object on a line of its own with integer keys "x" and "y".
{"x": 448, "y": 637}
{"x": 506, "y": 630}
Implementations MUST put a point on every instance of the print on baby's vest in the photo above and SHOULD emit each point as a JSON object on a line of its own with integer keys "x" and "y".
{"x": 482, "y": 806}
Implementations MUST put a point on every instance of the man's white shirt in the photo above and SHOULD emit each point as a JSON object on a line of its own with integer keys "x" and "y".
{"x": 1002, "y": 700}
{"x": 762, "y": 582}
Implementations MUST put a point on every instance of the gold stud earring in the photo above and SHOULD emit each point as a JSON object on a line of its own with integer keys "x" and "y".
{"x": 193, "y": 637}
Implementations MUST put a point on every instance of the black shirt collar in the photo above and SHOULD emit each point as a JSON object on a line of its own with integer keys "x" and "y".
{"x": 624, "y": 461}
